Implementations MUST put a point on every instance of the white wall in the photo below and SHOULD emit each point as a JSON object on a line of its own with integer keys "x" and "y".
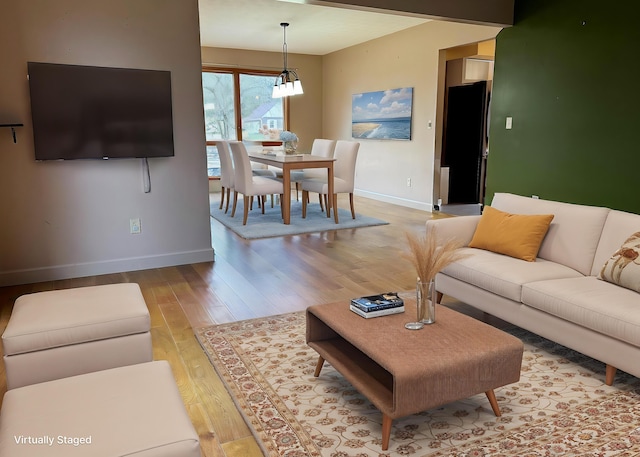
{"x": 70, "y": 219}
{"x": 404, "y": 59}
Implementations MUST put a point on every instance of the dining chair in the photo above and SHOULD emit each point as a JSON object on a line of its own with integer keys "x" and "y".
{"x": 259, "y": 169}
{"x": 322, "y": 148}
{"x": 344, "y": 171}
{"x": 247, "y": 184}
{"x": 226, "y": 173}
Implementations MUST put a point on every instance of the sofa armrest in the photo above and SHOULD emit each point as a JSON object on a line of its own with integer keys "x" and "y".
{"x": 459, "y": 227}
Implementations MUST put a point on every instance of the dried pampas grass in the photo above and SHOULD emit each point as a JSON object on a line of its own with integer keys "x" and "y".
{"x": 428, "y": 257}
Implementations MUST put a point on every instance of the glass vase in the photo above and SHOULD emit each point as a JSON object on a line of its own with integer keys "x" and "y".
{"x": 425, "y": 305}
{"x": 426, "y": 296}
{"x": 290, "y": 147}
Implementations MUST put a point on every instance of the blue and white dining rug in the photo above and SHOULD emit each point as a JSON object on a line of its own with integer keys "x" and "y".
{"x": 270, "y": 224}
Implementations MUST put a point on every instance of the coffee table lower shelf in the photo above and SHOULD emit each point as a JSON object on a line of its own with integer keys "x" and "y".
{"x": 367, "y": 376}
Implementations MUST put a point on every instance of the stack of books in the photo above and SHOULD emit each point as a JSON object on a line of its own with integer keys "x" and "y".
{"x": 377, "y": 305}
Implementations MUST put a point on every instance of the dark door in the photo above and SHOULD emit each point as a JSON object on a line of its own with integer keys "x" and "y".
{"x": 464, "y": 141}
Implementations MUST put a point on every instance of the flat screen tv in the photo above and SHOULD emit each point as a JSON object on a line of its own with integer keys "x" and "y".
{"x": 82, "y": 112}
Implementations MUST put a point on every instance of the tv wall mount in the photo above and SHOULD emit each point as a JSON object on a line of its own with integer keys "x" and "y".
{"x": 13, "y": 129}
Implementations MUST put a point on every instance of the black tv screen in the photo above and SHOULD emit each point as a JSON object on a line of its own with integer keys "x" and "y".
{"x": 82, "y": 112}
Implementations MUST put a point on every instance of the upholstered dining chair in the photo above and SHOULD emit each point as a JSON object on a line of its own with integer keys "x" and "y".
{"x": 226, "y": 173}
{"x": 259, "y": 169}
{"x": 247, "y": 184}
{"x": 321, "y": 147}
{"x": 344, "y": 171}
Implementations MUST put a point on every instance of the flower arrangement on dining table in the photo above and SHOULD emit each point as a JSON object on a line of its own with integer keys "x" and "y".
{"x": 289, "y": 141}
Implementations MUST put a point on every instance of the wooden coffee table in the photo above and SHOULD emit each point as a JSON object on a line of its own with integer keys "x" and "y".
{"x": 402, "y": 371}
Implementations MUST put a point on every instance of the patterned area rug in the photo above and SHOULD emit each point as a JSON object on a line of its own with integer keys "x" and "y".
{"x": 560, "y": 406}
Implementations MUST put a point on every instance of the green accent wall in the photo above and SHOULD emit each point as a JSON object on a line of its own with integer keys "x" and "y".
{"x": 568, "y": 73}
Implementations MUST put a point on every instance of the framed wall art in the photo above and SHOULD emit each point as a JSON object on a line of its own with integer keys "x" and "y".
{"x": 382, "y": 115}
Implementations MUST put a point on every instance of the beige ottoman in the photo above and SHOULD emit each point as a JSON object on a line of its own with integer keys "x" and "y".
{"x": 61, "y": 333}
{"x": 126, "y": 411}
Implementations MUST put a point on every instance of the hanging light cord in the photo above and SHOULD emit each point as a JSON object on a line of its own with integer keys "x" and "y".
{"x": 284, "y": 44}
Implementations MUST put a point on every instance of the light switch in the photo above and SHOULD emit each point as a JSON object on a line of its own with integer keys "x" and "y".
{"x": 509, "y": 123}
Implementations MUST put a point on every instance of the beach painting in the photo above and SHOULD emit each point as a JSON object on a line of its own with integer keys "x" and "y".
{"x": 382, "y": 115}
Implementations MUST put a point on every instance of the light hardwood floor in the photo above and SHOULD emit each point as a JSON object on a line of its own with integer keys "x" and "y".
{"x": 251, "y": 279}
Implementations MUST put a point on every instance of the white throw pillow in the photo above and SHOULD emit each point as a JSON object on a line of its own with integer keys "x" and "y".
{"x": 623, "y": 267}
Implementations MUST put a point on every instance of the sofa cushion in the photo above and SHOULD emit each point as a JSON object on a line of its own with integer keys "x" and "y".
{"x": 515, "y": 235}
{"x": 589, "y": 302}
{"x": 573, "y": 235}
{"x": 617, "y": 228}
{"x": 623, "y": 267}
{"x": 503, "y": 275}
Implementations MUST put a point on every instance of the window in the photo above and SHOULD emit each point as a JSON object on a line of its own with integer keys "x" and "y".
{"x": 218, "y": 95}
{"x": 238, "y": 106}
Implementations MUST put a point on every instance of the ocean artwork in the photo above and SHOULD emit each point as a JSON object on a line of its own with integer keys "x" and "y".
{"x": 382, "y": 115}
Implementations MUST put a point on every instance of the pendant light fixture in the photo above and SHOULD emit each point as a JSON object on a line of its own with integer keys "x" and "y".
{"x": 287, "y": 82}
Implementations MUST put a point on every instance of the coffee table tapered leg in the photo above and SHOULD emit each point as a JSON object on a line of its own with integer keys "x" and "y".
{"x": 494, "y": 403}
{"x": 386, "y": 431}
{"x": 318, "y": 366}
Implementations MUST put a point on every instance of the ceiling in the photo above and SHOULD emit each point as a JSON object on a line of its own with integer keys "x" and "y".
{"x": 313, "y": 29}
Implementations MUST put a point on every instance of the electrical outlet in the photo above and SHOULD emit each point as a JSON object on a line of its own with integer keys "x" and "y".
{"x": 408, "y": 182}
{"x": 134, "y": 226}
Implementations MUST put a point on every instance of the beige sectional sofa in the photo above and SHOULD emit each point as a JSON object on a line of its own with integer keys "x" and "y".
{"x": 558, "y": 296}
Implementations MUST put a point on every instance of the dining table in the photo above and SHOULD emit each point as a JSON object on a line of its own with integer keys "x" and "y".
{"x": 288, "y": 162}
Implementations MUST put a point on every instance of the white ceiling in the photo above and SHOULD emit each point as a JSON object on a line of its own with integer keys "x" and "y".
{"x": 313, "y": 29}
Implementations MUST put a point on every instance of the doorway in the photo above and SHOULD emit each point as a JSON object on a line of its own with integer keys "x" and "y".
{"x": 466, "y": 74}
{"x": 464, "y": 142}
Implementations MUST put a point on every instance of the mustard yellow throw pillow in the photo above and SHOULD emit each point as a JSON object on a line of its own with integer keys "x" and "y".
{"x": 515, "y": 235}
{"x": 623, "y": 268}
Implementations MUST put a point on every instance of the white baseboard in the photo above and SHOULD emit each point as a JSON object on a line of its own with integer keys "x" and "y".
{"x": 57, "y": 272}
{"x": 395, "y": 200}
